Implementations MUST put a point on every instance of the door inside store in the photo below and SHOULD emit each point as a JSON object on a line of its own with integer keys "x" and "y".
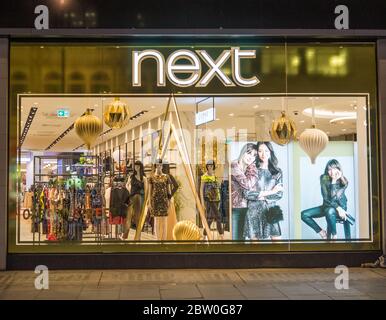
{"x": 90, "y": 167}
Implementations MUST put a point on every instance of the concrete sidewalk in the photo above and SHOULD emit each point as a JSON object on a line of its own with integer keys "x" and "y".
{"x": 195, "y": 284}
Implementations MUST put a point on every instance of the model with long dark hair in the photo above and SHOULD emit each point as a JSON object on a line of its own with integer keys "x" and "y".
{"x": 267, "y": 190}
{"x": 333, "y": 185}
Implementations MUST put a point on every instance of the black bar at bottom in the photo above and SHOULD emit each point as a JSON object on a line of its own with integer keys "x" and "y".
{"x": 190, "y": 260}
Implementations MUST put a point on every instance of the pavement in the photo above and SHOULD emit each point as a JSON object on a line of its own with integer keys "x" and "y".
{"x": 197, "y": 284}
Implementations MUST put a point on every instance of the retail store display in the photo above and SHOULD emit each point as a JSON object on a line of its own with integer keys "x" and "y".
{"x": 283, "y": 130}
{"x": 117, "y": 114}
{"x": 313, "y": 141}
{"x": 186, "y": 230}
{"x": 88, "y": 127}
{"x": 210, "y": 195}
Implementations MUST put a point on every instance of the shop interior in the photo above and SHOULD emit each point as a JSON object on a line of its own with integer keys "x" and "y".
{"x": 55, "y": 162}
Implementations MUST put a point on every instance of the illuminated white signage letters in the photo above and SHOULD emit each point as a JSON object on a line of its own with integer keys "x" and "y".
{"x": 192, "y": 66}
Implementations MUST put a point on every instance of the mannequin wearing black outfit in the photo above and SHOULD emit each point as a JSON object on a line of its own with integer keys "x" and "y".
{"x": 119, "y": 200}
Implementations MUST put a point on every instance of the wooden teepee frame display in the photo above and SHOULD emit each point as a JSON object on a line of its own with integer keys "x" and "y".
{"x": 162, "y": 148}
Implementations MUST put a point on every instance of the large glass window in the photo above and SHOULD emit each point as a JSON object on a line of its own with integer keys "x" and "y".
{"x": 288, "y": 165}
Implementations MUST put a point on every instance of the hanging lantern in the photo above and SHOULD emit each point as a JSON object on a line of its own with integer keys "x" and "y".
{"x": 117, "y": 114}
{"x": 186, "y": 230}
{"x": 313, "y": 141}
{"x": 88, "y": 127}
{"x": 283, "y": 130}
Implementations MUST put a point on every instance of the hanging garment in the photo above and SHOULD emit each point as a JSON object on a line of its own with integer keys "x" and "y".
{"x": 160, "y": 195}
{"x": 28, "y": 200}
{"x": 224, "y": 203}
{"x": 119, "y": 201}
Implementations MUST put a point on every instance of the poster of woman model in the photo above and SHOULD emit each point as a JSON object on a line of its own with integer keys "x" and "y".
{"x": 329, "y": 210}
{"x": 259, "y": 191}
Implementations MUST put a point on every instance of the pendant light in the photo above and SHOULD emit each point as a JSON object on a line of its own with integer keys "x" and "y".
{"x": 88, "y": 127}
{"x": 283, "y": 129}
{"x": 313, "y": 141}
{"x": 117, "y": 114}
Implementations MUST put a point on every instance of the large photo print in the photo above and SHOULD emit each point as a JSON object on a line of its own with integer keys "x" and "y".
{"x": 259, "y": 191}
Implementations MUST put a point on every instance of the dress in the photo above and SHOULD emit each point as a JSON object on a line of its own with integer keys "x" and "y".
{"x": 160, "y": 195}
{"x": 256, "y": 225}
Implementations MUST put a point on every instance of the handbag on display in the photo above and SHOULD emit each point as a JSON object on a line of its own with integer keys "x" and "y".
{"x": 274, "y": 215}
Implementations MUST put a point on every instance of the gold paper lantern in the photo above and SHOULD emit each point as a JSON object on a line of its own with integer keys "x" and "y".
{"x": 117, "y": 114}
{"x": 186, "y": 230}
{"x": 88, "y": 127}
{"x": 283, "y": 130}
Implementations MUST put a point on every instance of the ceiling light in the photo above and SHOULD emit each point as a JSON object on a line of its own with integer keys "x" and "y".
{"x": 327, "y": 114}
{"x": 301, "y": 121}
{"x": 231, "y": 114}
{"x": 217, "y": 119}
{"x": 344, "y": 129}
{"x": 255, "y": 106}
{"x": 261, "y": 115}
{"x": 342, "y": 119}
{"x": 153, "y": 107}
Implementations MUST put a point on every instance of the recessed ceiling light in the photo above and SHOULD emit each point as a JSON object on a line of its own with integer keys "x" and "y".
{"x": 231, "y": 114}
{"x": 262, "y": 98}
{"x": 268, "y": 98}
{"x": 266, "y": 47}
{"x": 301, "y": 121}
{"x": 255, "y": 106}
{"x": 344, "y": 129}
{"x": 153, "y": 107}
{"x": 355, "y": 107}
{"x": 261, "y": 115}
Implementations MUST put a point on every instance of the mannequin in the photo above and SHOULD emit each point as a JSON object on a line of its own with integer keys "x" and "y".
{"x": 172, "y": 215}
{"x": 160, "y": 194}
{"x": 138, "y": 186}
{"x": 119, "y": 202}
{"x": 210, "y": 196}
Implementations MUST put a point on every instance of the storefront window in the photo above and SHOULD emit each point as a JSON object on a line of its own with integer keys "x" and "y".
{"x": 176, "y": 169}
